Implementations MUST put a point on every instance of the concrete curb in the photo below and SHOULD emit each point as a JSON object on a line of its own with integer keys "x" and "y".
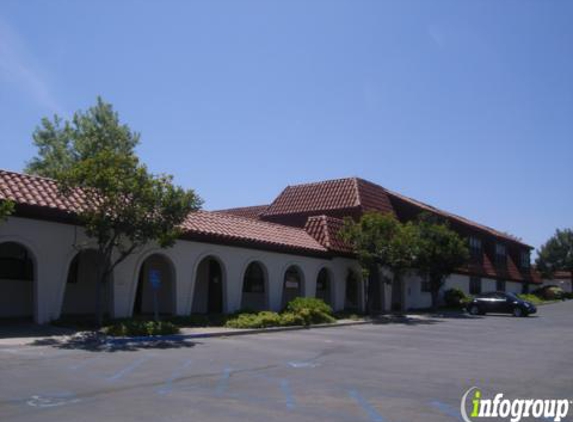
{"x": 238, "y": 332}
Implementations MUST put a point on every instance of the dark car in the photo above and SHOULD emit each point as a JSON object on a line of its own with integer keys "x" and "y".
{"x": 500, "y": 303}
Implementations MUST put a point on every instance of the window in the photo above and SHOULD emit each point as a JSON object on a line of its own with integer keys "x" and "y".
{"x": 15, "y": 262}
{"x": 475, "y": 249}
{"x": 500, "y": 255}
{"x": 500, "y": 286}
{"x": 525, "y": 260}
{"x": 254, "y": 281}
{"x": 475, "y": 285}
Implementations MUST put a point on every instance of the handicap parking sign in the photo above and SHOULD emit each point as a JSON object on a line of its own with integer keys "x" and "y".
{"x": 155, "y": 279}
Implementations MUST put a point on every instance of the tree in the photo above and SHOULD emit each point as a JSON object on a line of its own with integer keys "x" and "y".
{"x": 62, "y": 144}
{"x": 380, "y": 240}
{"x": 125, "y": 207}
{"x": 6, "y": 209}
{"x": 440, "y": 251}
{"x": 556, "y": 254}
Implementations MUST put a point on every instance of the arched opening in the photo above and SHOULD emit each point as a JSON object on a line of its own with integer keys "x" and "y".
{"x": 209, "y": 282}
{"x": 293, "y": 284}
{"x": 155, "y": 287}
{"x": 81, "y": 285}
{"x": 254, "y": 288}
{"x": 353, "y": 292}
{"x": 17, "y": 275}
{"x": 324, "y": 288}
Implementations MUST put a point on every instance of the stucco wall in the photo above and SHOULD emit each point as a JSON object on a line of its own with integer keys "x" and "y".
{"x": 54, "y": 245}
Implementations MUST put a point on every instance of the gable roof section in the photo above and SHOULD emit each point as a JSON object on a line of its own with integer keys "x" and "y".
{"x": 39, "y": 197}
{"x": 325, "y": 230}
{"x": 249, "y": 212}
{"x": 331, "y": 195}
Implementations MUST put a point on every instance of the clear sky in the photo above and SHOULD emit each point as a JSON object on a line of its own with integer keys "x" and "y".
{"x": 464, "y": 104}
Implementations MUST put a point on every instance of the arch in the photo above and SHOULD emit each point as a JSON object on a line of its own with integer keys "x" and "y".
{"x": 293, "y": 284}
{"x": 18, "y": 280}
{"x": 209, "y": 291}
{"x": 155, "y": 285}
{"x": 81, "y": 285}
{"x": 353, "y": 291}
{"x": 324, "y": 286}
{"x": 255, "y": 287}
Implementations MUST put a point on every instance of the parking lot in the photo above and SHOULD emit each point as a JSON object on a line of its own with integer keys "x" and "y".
{"x": 411, "y": 371}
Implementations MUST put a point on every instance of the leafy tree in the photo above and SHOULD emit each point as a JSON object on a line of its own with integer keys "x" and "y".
{"x": 6, "y": 209}
{"x": 556, "y": 254}
{"x": 440, "y": 251}
{"x": 125, "y": 207}
{"x": 62, "y": 144}
{"x": 380, "y": 240}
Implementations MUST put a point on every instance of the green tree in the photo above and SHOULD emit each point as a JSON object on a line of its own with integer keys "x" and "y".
{"x": 61, "y": 144}
{"x": 125, "y": 207}
{"x": 6, "y": 209}
{"x": 556, "y": 254}
{"x": 380, "y": 240}
{"x": 440, "y": 251}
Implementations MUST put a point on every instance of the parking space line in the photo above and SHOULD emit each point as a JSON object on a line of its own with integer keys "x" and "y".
{"x": 118, "y": 375}
{"x": 287, "y": 391}
{"x": 373, "y": 415}
{"x": 168, "y": 385}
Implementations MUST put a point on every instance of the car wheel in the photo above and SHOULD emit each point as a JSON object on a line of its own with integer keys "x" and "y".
{"x": 474, "y": 310}
{"x": 517, "y": 312}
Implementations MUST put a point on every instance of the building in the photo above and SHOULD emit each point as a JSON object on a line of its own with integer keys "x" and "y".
{"x": 252, "y": 257}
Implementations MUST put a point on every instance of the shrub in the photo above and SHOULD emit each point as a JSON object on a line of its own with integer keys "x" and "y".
{"x": 549, "y": 292}
{"x": 262, "y": 319}
{"x": 531, "y": 298}
{"x": 455, "y": 298}
{"x": 140, "y": 328}
{"x": 312, "y": 310}
{"x": 567, "y": 295}
{"x": 289, "y": 319}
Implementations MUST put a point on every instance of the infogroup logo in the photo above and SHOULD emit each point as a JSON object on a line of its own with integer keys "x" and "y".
{"x": 513, "y": 409}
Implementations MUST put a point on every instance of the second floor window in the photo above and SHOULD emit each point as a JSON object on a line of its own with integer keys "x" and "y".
{"x": 475, "y": 248}
{"x": 500, "y": 255}
{"x": 525, "y": 260}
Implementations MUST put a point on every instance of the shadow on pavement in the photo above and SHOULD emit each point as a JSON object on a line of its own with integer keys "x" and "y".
{"x": 92, "y": 342}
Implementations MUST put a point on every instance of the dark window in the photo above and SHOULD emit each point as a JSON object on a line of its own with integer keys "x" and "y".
{"x": 525, "y": 260}
{"x": 476, "y": 251}
{"x": 500, "y": 255}
{"x": 15, "y": 262}
{"x": 254, "y": 279}
{"x": 500, "y": 286}
{"x": 475, "y": 285}
{"x": 322, "y": 280}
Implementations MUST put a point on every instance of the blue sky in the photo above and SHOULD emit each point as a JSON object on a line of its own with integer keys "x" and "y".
{"x": 466, "y": 105}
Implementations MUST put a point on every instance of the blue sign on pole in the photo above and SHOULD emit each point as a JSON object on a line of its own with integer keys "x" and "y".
{"x": 155, "y": 279}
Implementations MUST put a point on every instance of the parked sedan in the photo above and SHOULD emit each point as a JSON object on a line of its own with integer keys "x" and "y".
{"x": 500, "y": 303}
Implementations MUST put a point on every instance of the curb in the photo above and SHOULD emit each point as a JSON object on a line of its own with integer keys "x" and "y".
{"x": 239, "y": 332}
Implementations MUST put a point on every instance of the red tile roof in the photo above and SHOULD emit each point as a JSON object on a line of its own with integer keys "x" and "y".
{"x": 244, "y": 230}
{"x": 37, "y": 191}
{"x": 457, "y": 218}
{"x": 42, "y": 195}
{"x": 250, "y": 212}
{"x": 325, "y": 230}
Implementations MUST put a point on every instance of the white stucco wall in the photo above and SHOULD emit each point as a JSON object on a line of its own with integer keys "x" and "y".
{"x": 54, "y": 245}
{"x": 513, "y": 287}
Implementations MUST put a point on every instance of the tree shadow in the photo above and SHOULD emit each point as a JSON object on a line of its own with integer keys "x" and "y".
{"x": 94, "y": 342}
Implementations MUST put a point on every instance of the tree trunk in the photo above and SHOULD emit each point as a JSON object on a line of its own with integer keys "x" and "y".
{"x": 373, "y": 290}
{"x": 397, "y": 292}
{"x": 435, "y": 295}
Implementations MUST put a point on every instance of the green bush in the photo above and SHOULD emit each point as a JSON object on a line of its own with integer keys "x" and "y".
{"x": 455, "y": 298}
{"x": 549, "y": 292}
{"x": 567, "y": 295}
{"x": 531, "y": 298}
{"x": 262, "y": 319}
{"x": 289, "y": 319}
{"x": 140, "y": 328}
{"x": 312, "y": 310}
